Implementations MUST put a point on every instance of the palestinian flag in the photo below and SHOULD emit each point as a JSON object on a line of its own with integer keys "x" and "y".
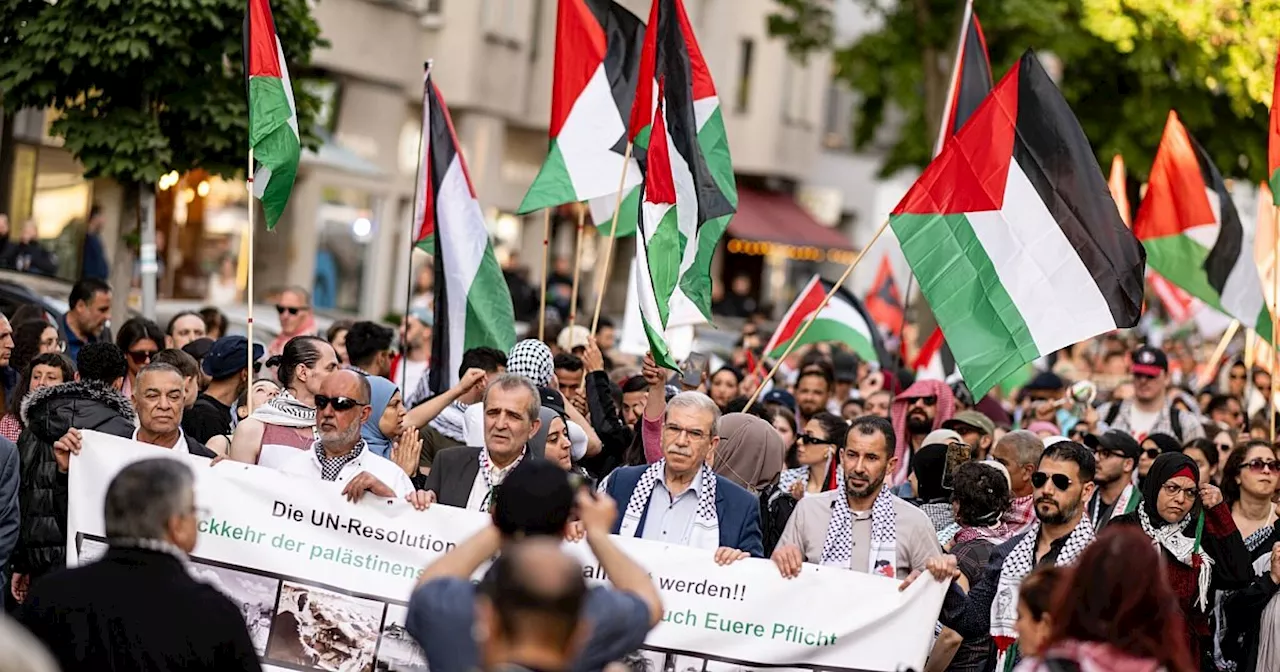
{"x": 843, "y": 320}
{"x": 597, "y": 58}
{"x": 1193, "y": 234}
{"x": 1273, "y": 138}
{"x": 696, "y": 127}
{"x": 934, "y": 361}
{"x": 1017, "y": 245}
{"x": 970, "y": 78}
{"x": 884, "y": 301}
{"x": 273, "y": 116}
{"x": 473, "y": 306}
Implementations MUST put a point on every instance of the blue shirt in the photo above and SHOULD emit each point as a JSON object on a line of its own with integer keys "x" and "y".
{"x": 74, "y": 343}
{"x": 671, "y": 520}
{"x": 442, "y": 615}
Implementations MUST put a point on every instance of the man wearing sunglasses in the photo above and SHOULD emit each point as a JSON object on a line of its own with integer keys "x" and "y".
{"x": 920, "y": 409}
{"x": 296, "y": 318}
{"x": 1116, "y": 454}
{"x": 1149, "y": 411}
{"x": 340, "y": 454}
{"x": 1063, "y": 483}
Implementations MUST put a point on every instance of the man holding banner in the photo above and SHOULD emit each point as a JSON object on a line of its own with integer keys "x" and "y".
{"x": 863, "y": 527}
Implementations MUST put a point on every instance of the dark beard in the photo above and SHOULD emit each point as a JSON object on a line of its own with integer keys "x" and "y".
{"x": 1061, "y": 516}
{"x": 872, "y": 487}
{"x": 919, "y": 425}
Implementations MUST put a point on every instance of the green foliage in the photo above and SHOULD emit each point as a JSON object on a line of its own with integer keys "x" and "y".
{"x": 145, "y": 86}
{"x": 1124, "y": 66}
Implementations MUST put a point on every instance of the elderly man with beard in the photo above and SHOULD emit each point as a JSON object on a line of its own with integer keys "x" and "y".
{"x": 862, "y": 527}
{"x": 920, "y": 409}
{"x": 1063, "y": 483}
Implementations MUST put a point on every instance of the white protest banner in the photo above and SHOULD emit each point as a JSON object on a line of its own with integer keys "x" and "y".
{"x": 276, "y": 543}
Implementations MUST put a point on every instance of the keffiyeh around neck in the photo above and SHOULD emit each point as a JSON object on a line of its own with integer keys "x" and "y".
{"x": 286, "y": 411}
{"x": 706, "y": 522}
{"x": 837, "y": 549}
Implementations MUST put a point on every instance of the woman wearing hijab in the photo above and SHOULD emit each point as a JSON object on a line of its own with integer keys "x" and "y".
{"x": 384, "y": 432}
{"x": 752, "y": 454}
{"x": 1198, "y": 539}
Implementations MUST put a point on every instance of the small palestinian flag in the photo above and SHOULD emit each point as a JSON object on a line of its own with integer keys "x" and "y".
{"x": 1273, "y": 137}
{"x": 970, "y": 77}
{"x": 473, "y": 306}
{"x": 695, "y": 124}
{"x": 1016, "y": 244}
{"x": 884, "y": 301}
{"x": 843, "y": 320}
{"x": 273, "y": 116}
{"x": 1193, "y": 234}
{"x": 597, "y": 59}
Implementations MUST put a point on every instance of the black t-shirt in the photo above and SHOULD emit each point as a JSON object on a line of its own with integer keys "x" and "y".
{"x": 207, "y": 419}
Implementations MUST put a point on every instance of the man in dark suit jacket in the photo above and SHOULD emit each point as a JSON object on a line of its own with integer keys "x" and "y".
{"x": 668, "y": 500}
{"x": 511, "y": 408}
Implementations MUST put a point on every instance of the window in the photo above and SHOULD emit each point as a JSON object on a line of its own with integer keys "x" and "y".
{"x": 745, "y": 49}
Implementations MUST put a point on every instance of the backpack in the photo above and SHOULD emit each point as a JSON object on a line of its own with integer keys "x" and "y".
{"x": 1175, "y": 419}
{"x": 776, "y": 506}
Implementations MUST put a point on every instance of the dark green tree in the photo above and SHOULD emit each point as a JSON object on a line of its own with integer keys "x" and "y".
{"x": 1123, "y": 67}
{"x": 143, "y": 87}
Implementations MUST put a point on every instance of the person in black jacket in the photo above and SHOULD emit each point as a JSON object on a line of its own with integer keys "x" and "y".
{"x": 27, "y": 255}
{"x": 138, "y": 608}
{"x": 93, "y": 402}
{"x": 1246, "y": 609}
{"x": 603, "y": 401}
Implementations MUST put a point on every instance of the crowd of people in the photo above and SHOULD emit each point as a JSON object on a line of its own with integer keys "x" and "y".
{"x": 1112, "y": 513}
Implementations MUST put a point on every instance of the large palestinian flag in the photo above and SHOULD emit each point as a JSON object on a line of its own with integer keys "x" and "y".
{"x": 597, "y": 58}
{"x": 1193, "y": 234}
{"x": 1273, "y": 137}
{"x": 884, "y": 301}
{"x": 273, "y": 116}
{"x": 702, "y": 170}
{"x": 970, "y": 78}
{"x": 473, "y": 305}
{"x": 843, "y": 320}
{"x": 1013, "y": 237}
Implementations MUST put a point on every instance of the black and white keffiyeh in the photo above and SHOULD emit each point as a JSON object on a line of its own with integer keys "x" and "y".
{"x": 837, "y": 549}
{"x": 494, "y": 476}
{"x": 286, "y": 411}
{"x": 1018, "y": 564}
{"x": 1186, "y": 549}
{"x": 532, "y": 359}
{"x": 706, "y": 522}
{"x": 331, "y": 467}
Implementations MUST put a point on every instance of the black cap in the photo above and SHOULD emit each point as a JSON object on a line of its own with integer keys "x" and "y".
{"x": 845, "y": 365}
{"x": 1149, "y": 361}
{"x": 552, "y": 399}
{"x": 199, "y": 348}
{"x": 1115, "y": 441}
{"x": 229, "y": 356}
{"x": 1045, "y": 380}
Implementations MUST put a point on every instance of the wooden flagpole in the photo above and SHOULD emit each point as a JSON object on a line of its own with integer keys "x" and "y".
{"x": 613, "y": 233}
{"x": 546, "y": 268}
{"x": 577, "y": 265}
{"x": 795, "y": 340}
{"x": 248, "y": 293}
{"x": 1212, "y": 364}
{"x": 1275, "y": 326}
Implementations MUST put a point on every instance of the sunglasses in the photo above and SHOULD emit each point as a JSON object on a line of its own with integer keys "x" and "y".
{"x": 1224, "y": 447}
{"x": 1151, "y": 453}
{"x": 1259, "y": 464}
{"x": 142, "y": 356}
{"x": 292, "y": 310}
{"x": 1060, "y": 481}
{"x": 340, "y": 404}
{"x": 813, "y": 440}
{"x": 1103, "y": 453}
{"x": 927, "y": 401}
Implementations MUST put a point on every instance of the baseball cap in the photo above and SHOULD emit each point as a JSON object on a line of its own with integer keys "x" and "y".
{"x": 573, "y": 336}
{"x": 780, "y": 397}
{"x": 845, "y": 365}
{"x": 1149, "y": 361}
{"x": 424, "y": 316}
{"x": 972, "y": 419}
{"x": 199, "y": 348}
{"x": 1045, "y": 380}
{"x": 229, "y": 356}
{"x": 941, "y": 437}
{"x": 1115, "y": 441}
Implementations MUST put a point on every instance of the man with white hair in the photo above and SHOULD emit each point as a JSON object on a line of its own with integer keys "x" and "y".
{"x": 678, "y": 499}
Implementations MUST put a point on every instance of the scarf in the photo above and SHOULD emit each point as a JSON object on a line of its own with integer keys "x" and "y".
{"x": 1021, "y": 514}
{"x": 706, "y": 522}
{"x": 801, "y": 474}
{"x": 286, "y": 411}
{"x": 751, "y": 453}
{"x": 1017, "y": 565}
{"x": 493, "y": 476}
{"x": 996, "y": 534}
{"x": 942, "y": 412}
{"x": 1125, "y": 504}
{"x": 452, "y": 421}
{"x": 837, "y": 549}
{"x": 1091, "y": 657}
{"x": 331, "y": 467}
{"x": 1185, "y": 549}
{"x": 381, "y": 391}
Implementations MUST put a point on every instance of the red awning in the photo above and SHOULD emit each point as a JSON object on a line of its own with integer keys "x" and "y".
{"x": 777, "y": 218}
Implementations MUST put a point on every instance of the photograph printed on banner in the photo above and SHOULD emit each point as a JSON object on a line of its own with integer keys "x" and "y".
{"x": 397, "y": 651}
{"x": 318, "y": 629}
{"x": 253, "y": 594}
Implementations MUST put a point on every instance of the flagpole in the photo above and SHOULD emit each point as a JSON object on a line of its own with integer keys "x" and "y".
{"x": 955, "y": 79}
{"x": 902, "y": 328}
{"x": 248, "y": 294}
{"x": 613, "y": 232}
{"x": 546, "y": 267}
{"x": 577, "y": 266}
{"x": 1214, "y": 361}
{"x": 1275, "y": 323}
{"x": 795, "y": 340}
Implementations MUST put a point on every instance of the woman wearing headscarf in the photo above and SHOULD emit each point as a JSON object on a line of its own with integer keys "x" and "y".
{"x": 1198, "y": 539}
{"x": 385, "y": 432}
{"x": 752, "y": 454}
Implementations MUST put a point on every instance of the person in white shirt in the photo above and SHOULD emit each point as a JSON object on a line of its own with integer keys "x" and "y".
{"x": 340, "y": 455}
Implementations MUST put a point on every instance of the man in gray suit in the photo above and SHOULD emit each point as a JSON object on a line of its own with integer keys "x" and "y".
{"x": 465, "y": 476}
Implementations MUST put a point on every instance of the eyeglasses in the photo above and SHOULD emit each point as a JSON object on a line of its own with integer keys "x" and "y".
{"x": 340, "y": 404}
{"x": 292, "y": 310}
{"x": 693, "y": 434}
{"x": 1103, "y": 453}
{"x": 1259, "y": 464}
{"x": 812, "y": 440}
{"x": 1173, "y": 490}
{"x": 1060, "y": 481}
{"x": 926, "y": 401}
{"x": 142, "y": 356}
